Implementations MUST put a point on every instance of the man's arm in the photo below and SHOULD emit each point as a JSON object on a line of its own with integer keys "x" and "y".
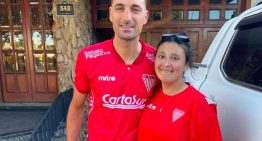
{"x": 75, "y": 116}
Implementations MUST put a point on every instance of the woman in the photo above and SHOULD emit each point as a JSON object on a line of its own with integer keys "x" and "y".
{"x": 177, "y": 111}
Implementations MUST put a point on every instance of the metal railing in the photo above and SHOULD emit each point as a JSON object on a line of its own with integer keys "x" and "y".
{"x": 46, "y": 128}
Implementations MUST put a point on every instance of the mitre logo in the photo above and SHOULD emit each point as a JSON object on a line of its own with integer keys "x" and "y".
{"x": 107, "y": 78}
{"x": 123, "y": 102}
{"x": 149, "y": 81}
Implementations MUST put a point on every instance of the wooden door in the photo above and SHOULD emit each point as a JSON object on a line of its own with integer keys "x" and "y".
{"x": 28, "y": 58}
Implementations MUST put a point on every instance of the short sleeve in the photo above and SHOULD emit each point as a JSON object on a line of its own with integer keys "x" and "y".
{"x": 81, "y": 79}
{"x": 206, "y": 122}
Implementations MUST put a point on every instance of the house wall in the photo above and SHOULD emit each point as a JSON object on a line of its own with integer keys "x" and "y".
{"x": 74, "y": 32}
{"x": 71, "y": 33}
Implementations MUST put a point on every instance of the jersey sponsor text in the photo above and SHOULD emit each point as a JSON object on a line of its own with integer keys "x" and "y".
{"x": 150, "y": 56}
{"x": 123, "y": 102}
{"x": 95, "y": 53}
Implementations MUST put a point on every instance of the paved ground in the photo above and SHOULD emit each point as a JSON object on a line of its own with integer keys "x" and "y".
{"x": 15, "y": 119}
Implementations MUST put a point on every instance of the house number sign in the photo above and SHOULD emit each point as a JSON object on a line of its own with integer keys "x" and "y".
{"x": 65, "y": 8}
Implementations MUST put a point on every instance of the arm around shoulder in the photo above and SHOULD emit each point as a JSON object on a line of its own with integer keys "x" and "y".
{"x": 75, "y": 115}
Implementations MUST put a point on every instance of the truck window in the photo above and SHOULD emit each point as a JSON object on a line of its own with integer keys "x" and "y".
{"x": 243, "y": 62}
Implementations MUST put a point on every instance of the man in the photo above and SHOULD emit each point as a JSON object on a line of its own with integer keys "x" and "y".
{"x": 117, "y": 75}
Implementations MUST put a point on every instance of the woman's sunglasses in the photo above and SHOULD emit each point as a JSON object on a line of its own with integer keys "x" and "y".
{"x": 171, "y": 36}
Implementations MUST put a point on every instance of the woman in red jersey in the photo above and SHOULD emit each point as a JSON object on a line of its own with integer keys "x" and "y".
{"x": 177, "y": 111}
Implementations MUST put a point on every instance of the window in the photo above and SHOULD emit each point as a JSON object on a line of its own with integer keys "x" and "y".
{"x": 193, "y": 14}
{"x": 4, "y": 15}
{"x": 177, "y": 15}
{"x": 102, "y": 15}
{"x": 20, "y": 62}
{"x": 102, "y": 2}
{"x": 43, "y": 47}
{"x": 155, "y": 2}
{"x": 215, "y": 1}
{"x": 229, "y": 14}
{"x": 214, "y": 15}
{"x": 19, "y": 40}
{"x": 100, "y": 11}
{"x": 243, "y": 63}
{"x": 177, "y": 2}
{"x": 231, "y": 1}
{"x": 2, "y": 1}
{"x": 16, "y": 15}
{"x": 193, "y": 2}
{"x": 155, "y": 15}
{"x": 11, "y": 37}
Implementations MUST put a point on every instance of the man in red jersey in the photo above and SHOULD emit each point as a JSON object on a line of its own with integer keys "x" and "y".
{"x": 117, "y": 76}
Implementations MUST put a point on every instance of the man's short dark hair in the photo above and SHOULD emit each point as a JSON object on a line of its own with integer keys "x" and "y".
{"x": 144, "y": 0}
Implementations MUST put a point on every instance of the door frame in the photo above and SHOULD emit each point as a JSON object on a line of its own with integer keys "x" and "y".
{"x": 17, "y": 95}
{"x": 38, "y": 95}
{"x": 1, "y": 93}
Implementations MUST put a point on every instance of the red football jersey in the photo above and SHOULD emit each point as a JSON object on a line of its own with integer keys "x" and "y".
{"x": 117, "y": 92}
{"x": 185, "y": 116}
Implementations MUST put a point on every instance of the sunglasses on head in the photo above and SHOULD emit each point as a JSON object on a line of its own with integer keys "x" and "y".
{"x": 171, "y": 36}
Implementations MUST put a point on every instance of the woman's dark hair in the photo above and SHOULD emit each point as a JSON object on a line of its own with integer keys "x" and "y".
{"x": 183, "y": 41}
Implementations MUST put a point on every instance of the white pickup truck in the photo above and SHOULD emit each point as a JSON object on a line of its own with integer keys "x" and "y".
{"x": 231, "y": 75}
